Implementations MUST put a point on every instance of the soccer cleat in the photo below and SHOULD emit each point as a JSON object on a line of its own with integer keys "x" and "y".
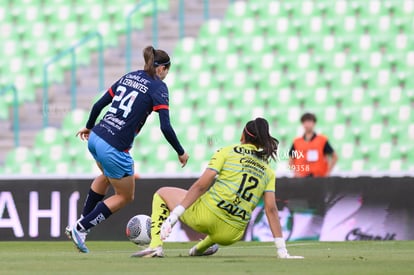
{"x": 78, "y": 238}
{"x": 209, "y": 251}
{"x": 150, "y": 253}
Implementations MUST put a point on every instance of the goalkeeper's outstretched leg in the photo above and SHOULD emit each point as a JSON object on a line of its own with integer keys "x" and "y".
{"x": 205, "y": 247}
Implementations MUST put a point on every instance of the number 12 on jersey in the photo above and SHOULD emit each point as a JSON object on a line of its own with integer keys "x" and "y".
{"x": 244, "y": 191}
{"x": 125, "y": 101}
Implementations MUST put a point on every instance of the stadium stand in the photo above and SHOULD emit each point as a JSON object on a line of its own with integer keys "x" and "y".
{"x": 347, "y": 61}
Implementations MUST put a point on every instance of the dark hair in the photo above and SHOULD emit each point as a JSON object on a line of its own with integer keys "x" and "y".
{"x": 257, "y": 133}
{"x": 154, "y": 58}
{"x": 308, "y": 116}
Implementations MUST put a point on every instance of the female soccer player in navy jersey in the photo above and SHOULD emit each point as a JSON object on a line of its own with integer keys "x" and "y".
{"x": 132, "y": 99}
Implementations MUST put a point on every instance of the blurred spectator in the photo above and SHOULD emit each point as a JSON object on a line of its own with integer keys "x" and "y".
{"x": 311, "y": 155}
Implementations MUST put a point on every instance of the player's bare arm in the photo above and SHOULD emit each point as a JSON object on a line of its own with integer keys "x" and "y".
{"x": 199, "y": 188}
{"x": 272, "y": 214}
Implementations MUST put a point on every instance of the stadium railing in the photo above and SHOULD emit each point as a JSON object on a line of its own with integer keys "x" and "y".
{"x": 15, "y": 104}
{"x": 72, "y": 51}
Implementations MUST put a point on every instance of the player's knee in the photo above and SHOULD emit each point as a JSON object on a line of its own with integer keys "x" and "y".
{"x": 163, "y": 191}
{"x": 127, "y": 198}
{"x": 130, "y": 198}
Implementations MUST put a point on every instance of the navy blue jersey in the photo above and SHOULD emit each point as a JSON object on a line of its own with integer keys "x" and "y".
{"x": 132, "y": 98}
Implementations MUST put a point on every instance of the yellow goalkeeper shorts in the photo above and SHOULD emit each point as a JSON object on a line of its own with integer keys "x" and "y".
{"x": 200, "y": 218}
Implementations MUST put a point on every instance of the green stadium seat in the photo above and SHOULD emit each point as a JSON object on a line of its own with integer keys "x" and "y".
{"x": 293, "y": 45}
{"x": 220, "y": 45}
{"x": 255, "y": 45}
{"x": 19, "y": 155}
{"x": 274, "y": 81}
{"x": 404, "y": 9}
{"x": 203, "y": 83}
{"x": 52, "y": 159}
{"x": 74, "y": 121}
{"x": 185, "y": 47}
{"x": 403, "y": 115}
{"x": 238, "y": 10}
{"x": 325, "y": 44}
{"x": 358, "y": 97}
{"x": 399, "y": 43}
{"x": 321, "y": 97}
{"x": 212, "y": 28}
{"x": 20, "y": 161}
{"x": 239, "y": 79}
{"x": 384, "y": 25}
{"x": 306, "y": 9}
{"x": 48, "y": 136}
{"x": 338, "y": 133}
{"x": 249, "y": 27}
{"x": 22, "y": 168}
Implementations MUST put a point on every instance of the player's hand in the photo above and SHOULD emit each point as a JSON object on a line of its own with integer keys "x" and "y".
{"x": 183, "y": 159}
{"x": 168, "y": 225}
{"x": 282, "y": 253}
{"x": 83, "y": 133}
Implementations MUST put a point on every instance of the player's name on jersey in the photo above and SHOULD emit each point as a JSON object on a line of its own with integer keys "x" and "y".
{"x": 135, "y": 84}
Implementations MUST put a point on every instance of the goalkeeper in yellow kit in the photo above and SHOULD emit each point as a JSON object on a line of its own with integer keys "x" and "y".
{"x": 220, "y": 207}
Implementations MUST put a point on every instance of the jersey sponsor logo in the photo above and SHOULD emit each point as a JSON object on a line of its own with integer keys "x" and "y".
{"x": 253, "y": 167}
{"x": 243, "y": 151}
{"x": 107, "y": 128}
{"x": 138, "y": 79}
{"x": 232, "y": 209}
{"x": 114, "y": 121}
{"x": 253, "y": 163}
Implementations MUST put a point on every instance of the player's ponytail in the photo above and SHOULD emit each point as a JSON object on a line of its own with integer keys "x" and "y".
{"x": 257, "y": 132}
{"x": 154, "y": 58}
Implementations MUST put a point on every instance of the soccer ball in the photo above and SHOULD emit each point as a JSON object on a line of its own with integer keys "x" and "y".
{"x": 138, "y": 229}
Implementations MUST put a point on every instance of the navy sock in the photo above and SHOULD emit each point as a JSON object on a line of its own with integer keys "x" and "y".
{"x": 98, "y": 215}
{"x": 91, "y": 201}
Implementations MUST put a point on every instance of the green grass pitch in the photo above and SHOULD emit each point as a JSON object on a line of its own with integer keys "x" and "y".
{"x": 375, "y": 257}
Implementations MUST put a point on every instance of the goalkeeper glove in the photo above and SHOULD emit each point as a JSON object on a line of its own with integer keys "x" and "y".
{"x": 282, "y": 252}
{"x": 169, "y": 223}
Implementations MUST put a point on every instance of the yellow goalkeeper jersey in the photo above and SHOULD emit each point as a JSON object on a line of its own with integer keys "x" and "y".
{"x": 242, "y": 179}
